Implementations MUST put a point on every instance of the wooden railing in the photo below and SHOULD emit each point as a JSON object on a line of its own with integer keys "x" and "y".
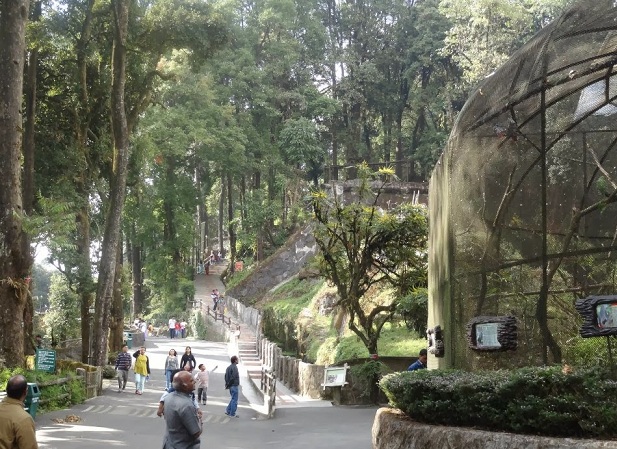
{"x": 91, "y": 381}
{"x": 220, "y": 316}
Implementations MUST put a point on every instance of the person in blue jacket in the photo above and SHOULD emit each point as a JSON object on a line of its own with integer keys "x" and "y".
{"x": 420, "y": 363}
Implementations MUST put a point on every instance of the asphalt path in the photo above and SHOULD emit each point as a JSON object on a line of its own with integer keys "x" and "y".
{"x": 116, "y": 420}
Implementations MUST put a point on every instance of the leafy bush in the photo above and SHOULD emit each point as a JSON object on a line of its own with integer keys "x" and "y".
{"x": 109, "y": 372}
{"x": 413, "y": 307}
{"x": 366, "y": 375}
{"x": 197, "y": 325}
{"x": 77, "y": 390}
{"x": 544, "y": 401}
{"x": 53, "y": 397}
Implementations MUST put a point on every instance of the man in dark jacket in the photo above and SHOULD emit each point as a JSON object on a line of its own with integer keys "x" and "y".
{"x": 232, "y": 382}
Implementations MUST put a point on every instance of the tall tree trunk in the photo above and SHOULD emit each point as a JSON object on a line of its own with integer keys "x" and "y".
{"x": 230, "y": 220}
{"x": 85, "y": 285}
{"x": 116, "y": 325}
{"x": 28, "y": 170}
{"x": 333, "y": 28}
{"x": 15, "y": 259}
{"x": 221, "y": 219}
{"x": 30, "y": 95}
{"x": 136, "y": 259}
{"x": 202, "y": 222}
{"x": 118, "y": 183}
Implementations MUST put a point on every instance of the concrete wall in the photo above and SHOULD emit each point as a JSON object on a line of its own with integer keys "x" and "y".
{"x": 394, "y": 430}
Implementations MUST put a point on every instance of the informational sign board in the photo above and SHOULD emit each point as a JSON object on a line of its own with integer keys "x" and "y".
{"x": 599, "y": 315}
{"x": 45, "y": 360}
{"x": 486, "y": 335}
{"x": 335, "y": 376}
{"x": 239, "y": 266}
{"x": 492, "y": 333}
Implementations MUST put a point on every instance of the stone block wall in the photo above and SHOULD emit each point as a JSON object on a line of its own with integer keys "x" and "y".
{"x": 392, "y": 429}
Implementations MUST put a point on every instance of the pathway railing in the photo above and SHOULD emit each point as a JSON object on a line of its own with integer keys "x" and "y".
{"x": 225, "y": 319}
{"x": 268, "y": 387}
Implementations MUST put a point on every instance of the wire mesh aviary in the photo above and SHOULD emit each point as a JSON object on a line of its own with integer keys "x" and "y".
{"x": 523, "y": 200}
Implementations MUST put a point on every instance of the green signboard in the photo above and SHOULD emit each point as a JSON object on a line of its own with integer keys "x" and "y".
{"x": 45, "y": 360}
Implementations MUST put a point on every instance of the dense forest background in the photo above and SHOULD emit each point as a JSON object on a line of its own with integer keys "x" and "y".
{"x": 140, "y": 135}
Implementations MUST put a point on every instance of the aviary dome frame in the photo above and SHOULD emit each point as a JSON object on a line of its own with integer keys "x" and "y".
{"x": 523, "y": 201}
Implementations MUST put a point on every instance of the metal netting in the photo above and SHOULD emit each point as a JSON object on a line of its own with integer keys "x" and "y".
{"x": 523, "y": 200}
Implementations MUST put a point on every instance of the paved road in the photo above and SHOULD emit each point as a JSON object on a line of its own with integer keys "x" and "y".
{"x": 128, "y": 420}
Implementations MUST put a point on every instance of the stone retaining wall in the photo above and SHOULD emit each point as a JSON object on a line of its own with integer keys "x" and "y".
{"x": 392, "y": 429}
{"x": 302, "y": 378}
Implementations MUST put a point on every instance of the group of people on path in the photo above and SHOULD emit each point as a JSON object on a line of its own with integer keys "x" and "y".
{"x": 218, "y": 301}
{"x": 177, "y": 328}
{"x": 203, "y": 265}
{"x": 178, "y": 405}
{"x": 141, "y": 367}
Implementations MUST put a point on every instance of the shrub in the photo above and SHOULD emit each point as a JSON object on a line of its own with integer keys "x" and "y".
{"x": 77, "y": 390}
{"x": 197, "y": 325}
{"x": 109, "y": 372}
{"x": 544, "y": 401}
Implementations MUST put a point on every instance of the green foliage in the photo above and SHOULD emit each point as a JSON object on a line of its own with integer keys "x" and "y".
{"x": 413, "y": 307}
{"x": 53, "y": 397}
{"x": 300, "y": 143}
{"x": 64, "y": 310}
{"x": 369, "y": 370}
{"x": 363, "y": 245}
{"x": 109, "y": 372}
{"x": 588, "y": 352}
{"x": 77, "y": 390}
{"x": 291, "y": 298}
{"x": 485, "y": 33}
{"x": 283, "y": 317}
{"x": 367, "y": 374}
{"x": 234, "y": 279}
{"x": 197, "y": 325}
{"x": 350, "y": 348}
{"x": 545, "y": 401}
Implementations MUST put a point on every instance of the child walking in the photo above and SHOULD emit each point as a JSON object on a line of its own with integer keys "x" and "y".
{"x": 201, "y": 383}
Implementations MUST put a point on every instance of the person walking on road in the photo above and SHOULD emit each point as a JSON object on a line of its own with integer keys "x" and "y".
{"x": 232, "y": 382}
{"x": 183, "y": 426}
{"x": 16, "y": 425}
{"x": 123, "y": 365}
{"x": 172, "y": 327}
{"x": 171, "y": 365}
{"x": 142, "y": 369}
{"x": 188, "y": 359}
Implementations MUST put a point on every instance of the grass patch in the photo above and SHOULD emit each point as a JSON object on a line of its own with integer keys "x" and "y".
{"x": 395, "y": 341}
{"x": 237, "y": 277}
{"x": 289, "y": 300}
{"x": 293, "y": 317}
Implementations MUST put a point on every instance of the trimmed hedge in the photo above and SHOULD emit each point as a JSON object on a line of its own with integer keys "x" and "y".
{"x": 542, "y": 401}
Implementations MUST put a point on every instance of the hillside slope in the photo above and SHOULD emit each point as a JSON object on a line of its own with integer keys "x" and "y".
{"x": 285, "y": 263}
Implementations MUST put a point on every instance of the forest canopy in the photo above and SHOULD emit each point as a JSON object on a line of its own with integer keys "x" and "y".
{"x": 155, "y": 132}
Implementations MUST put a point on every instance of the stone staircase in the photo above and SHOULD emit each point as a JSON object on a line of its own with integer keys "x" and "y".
{"x": 247, "y": 352}
{"x": 245, "y": 347}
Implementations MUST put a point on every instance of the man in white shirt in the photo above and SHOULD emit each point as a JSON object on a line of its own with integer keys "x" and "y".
{"x": 172, "y": 327}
